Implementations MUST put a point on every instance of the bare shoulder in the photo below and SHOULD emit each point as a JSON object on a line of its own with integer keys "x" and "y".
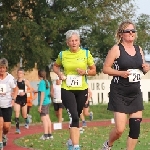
{"x": 115, "y": 48}
{"x": 140, "y": 49}
{"x": 114, "y": 51}
{"x": 27, "y": 81}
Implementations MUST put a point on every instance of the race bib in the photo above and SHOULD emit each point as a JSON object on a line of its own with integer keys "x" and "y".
{"x": 2, "y": 88}
{"x": 74, "y": 80}
{"x": 136, "y": 75}
{"x": 28, "y": 94}
{"x": 55, "y": 100}
{"x": 20, "y": 91}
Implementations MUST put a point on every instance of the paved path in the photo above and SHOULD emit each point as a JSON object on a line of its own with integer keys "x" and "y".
{"x": 34, "y": 129}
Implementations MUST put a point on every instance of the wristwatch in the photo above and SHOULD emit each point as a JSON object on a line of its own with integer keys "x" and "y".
{"x": 86, "y": 72}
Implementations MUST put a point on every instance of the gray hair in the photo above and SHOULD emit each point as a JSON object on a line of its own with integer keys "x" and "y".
{"x": 4, "y": 62}
{"x": 69, "y": 33}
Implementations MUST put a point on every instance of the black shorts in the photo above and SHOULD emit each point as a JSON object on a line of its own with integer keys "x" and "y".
{"x": 6, "y": 114}
{"x": 1, "y": 113}
{"x": 21, "y": 100}
{"x": 86, "y": 105}
{"x": 57, "y": 106}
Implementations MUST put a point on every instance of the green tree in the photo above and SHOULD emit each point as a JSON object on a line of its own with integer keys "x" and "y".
{"x": 23, "y": 36}
{"x": 34, "y": 29}
{"x": 143, "y": 27}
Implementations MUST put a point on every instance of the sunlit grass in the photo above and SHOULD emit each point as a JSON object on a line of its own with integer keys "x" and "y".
{"x": 91, "y": 139}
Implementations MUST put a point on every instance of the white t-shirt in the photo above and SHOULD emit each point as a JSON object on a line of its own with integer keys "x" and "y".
{"x": 57, "y": 93}
{"x": 6, "y": 86}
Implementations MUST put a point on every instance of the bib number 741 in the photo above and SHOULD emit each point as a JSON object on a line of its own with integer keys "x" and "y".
{"x": 74, "y": 80}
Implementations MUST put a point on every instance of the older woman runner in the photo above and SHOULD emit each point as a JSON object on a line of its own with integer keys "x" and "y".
{"x": 74, "y": 88}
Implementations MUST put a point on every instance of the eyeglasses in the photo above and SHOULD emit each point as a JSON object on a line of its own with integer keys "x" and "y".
{"x": 128, "y": 31}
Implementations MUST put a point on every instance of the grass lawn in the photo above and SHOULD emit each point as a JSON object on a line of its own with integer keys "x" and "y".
{"x": 92, "y": 138}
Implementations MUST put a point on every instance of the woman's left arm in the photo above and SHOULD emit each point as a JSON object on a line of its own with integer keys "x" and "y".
{"x": 27, "y": 83}
{"x": 91, "y": 71}
{"x": 145, "y": 66}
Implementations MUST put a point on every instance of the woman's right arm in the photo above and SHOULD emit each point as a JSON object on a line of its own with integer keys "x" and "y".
{"x": 51, "y": 91}
{"x": 110, "y": 58}
{"x": 56, "y": 69}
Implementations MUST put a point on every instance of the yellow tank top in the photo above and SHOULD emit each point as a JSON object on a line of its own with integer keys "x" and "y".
{"x": 70, "y": 62}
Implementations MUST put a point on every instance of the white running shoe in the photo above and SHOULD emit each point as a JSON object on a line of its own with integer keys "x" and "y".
{"x": 26, "y": 126}
{"x": 106, "y": 146}
{"x": 51, "y": 137}
{"x": 44, "y": 138}
{"x": 91, "y": 116}
{"x": 1, "y": 145}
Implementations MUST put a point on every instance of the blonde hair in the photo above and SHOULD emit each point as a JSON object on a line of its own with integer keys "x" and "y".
{"x": 122, "y": 27}
{"x": 69, "y": 33}
{"x": 4, "y": 62}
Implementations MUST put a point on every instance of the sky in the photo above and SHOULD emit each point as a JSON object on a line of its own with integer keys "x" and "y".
{"x": 144, "y": 6}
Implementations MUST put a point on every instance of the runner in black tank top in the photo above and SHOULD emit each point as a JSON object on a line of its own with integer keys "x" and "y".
{"x": 125, "y": 96}
{"x": 21, "y": 100}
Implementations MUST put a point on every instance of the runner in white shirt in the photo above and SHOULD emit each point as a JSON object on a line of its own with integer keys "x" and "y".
{"x": 57, "y": 102}
{"x": 7, "y": 86}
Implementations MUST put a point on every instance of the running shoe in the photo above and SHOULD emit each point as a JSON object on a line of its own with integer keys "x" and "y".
{"x": 1, "y": 145}
{"x": 91, "y": 116}
{"x": 4, "y": 140}
{"x": 69, "y": 145}
{"x": 106, "y": 146}
{"x": 44, "y": 138}
{"x": 18, "y": 131}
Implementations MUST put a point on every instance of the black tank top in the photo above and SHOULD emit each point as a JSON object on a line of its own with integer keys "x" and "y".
{"x": 21, "y": 85}
{"x": 125, "y": 62}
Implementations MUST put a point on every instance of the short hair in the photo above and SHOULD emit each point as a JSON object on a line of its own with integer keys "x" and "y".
{"x": 122, "y": 27}
{"x": 20, "y": 69}
{"x": 69, "y": 33}
{"x": 4, "y": 62}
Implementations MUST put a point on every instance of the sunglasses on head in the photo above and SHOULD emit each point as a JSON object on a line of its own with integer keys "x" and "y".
{"x": 128, "y": 31}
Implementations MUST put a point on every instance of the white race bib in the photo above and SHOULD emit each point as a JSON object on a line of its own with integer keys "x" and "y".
{"x": 74, "y": 80}
{"x": 20, "y": 91}
{"x": 2, "y": 88}
{"x": 55, "y": 100}
{"x": 136, "y": 75}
